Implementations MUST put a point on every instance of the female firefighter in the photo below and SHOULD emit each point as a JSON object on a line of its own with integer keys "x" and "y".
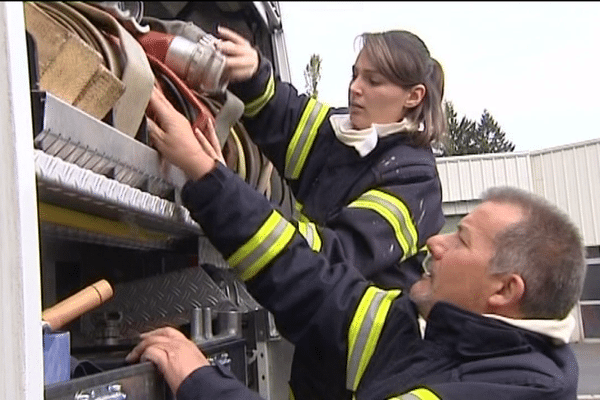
{"x": 364, "y": 177}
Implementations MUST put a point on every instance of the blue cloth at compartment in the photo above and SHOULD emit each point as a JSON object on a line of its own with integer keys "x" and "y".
{"x": 57, "y": 357}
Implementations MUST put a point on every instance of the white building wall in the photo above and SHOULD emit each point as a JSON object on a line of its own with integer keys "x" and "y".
{"x": 568, "y": 176}
{"x": 464, "y": 178}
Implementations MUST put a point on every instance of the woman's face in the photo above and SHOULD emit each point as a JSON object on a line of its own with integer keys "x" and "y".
{"x": 373, "y": 98}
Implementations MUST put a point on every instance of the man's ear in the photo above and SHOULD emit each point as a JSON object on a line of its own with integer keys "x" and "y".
{"x": 416, "y": 96}
{"x": 506, "y": 300}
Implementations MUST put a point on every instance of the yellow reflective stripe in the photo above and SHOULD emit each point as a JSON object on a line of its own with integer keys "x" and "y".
{"x": 291, "y": 393}
{"x": 359, "y": 316}
{"x": 241, "y": 164}
{"x": 310, "y": 233}
{"x": 318, "y": 242}
{"x": 261, "y": 248}
{"x": 297, "y": 212}
{"x": 396, "y": 213}
{"x": 417, "y": 394}
{"x": 254, "y": 107}
{"x": 303, "y": 138}
{"x": 304, "y": 231}
{"x": 365, "y": 330}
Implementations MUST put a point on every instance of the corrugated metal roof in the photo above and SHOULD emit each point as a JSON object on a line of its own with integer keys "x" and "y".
{"x": 568, "y": 176}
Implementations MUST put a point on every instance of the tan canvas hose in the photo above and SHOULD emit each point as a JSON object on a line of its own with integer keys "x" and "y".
{"x": 137, "y": 74}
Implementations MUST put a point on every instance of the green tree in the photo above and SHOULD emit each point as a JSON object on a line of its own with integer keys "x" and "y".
{"x": 470, "y": 137}
{"x": 312, "y": 75}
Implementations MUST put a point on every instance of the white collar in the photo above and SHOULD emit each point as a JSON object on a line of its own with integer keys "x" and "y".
{"x": 365, "y": 140}
{"x": 559, "y": 330}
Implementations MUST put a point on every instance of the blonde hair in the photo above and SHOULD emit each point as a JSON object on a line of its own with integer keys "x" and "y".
{"x": 403, "y": 58}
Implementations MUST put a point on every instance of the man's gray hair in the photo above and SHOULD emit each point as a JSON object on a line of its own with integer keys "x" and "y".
{"x": 545, "y": 248}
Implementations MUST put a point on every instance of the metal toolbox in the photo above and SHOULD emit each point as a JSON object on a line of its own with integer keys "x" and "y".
{"x": 136, "y": 382}
{"x": 140, "y": 381}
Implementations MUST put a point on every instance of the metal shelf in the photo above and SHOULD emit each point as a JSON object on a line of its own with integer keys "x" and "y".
{"x": 66, "y": 191}
{"x": 78, "y": 138}
{"x": 97, "y": 184}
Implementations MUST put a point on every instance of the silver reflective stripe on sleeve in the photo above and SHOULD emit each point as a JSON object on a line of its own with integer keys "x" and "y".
{"x": 254, "y": 107}
{"x": 365, "y": 330}
{"x": 310, "y": 233}
{"x": 396, "y": 213}
{"x": 303, "y": 138}
{"x": 270, "y": 239}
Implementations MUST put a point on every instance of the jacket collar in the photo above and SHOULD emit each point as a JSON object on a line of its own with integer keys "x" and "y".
{"x": 474, "y": 335}
{"x": 559, "y": 330}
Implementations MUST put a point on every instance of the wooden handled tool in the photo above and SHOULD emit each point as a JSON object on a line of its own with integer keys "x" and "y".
{"x": 76, "y": 305}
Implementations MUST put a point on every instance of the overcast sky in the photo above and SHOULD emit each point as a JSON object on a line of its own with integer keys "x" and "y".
{"x": 533, "y": 65}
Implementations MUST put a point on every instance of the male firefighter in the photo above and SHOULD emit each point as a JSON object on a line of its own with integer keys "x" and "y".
{"x": 490, "y": 318}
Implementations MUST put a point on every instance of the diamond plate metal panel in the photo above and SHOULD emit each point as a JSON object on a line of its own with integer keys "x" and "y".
{"x": 149, "y": 303}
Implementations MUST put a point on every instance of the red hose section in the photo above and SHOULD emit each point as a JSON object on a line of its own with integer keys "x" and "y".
{"x": 204, "y": 113}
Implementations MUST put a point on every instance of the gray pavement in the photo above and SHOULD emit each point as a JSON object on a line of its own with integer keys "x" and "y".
{"x": 588, "y": 356}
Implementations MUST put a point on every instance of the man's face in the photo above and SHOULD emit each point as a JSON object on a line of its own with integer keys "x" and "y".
{"x": 459, "y": 261}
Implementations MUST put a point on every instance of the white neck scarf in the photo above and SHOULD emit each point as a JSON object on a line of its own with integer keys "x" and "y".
{"x": 365, "y": 140}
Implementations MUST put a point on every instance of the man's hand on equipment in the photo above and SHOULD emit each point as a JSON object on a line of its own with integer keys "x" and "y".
{"x": 174, "y": 355}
